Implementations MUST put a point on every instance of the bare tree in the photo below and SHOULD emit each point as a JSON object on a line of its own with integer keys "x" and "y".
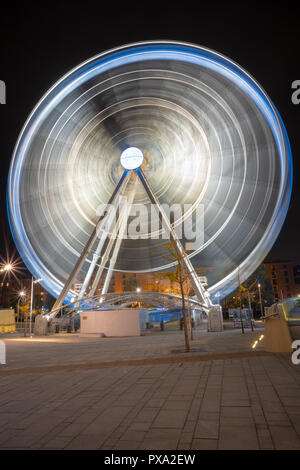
{"x": 188, "y": 289}
{"x": 179, "y": 275}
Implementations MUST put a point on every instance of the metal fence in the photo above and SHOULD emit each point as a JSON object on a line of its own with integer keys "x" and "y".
{"x": 23, "y": 325}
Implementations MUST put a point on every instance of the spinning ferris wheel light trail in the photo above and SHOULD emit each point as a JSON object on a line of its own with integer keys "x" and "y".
{"x": 193, "y": 127}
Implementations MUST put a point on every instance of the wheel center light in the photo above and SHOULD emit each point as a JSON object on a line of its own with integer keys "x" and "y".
{"x": 131, "y": 158}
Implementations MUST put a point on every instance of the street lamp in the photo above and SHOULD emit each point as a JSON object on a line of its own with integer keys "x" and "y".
{"x": 22, "y": 294}
{"x": 139, "y": 290}
{"x": 6, "y": 268}
{"x": 260, "y": 300}
{"x": 31, "y": 302}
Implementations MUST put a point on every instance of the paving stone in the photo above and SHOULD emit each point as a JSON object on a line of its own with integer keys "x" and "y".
{"x": 204, "y": 444}
{"x": 131, "y": 435}
{"x": 189, "y": 426}
{"x": 147, "y": 415}
{"x": 277, "y": 419}
{"x": 238, "y": 437}
{"x": 57, "y": 443}
{"x": 136, "y": 426}
{"x": 236, "y": 416}
{"x": 155, "y": 402}
{"x": 177, "y": 405}
{"x": 163, "y": 433}
{"x": 82, "y": 442}
{"x": 159, "y": 444}
{"x": 186, "y": 437}
{"x": 207, "y": 429}
{"x": 170, "y": 419}
{"x": 265, "y": 439}
{"x": 107, "y": 421}
{"x": 127, "y": 445}
{"x": 73, "y": 429}
{"x": 285, "y": 438}
{"x": 183, "y": 445}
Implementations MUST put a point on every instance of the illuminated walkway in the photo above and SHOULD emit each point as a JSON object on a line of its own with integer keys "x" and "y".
{"x": 240, "y": 400}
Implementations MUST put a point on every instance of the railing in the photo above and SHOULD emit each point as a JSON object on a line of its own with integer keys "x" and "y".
{"x": 21, "y": 325}
{"x": 113, "y": 298}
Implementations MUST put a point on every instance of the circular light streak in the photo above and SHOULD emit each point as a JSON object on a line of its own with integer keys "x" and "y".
{"x": 209, "y": 135}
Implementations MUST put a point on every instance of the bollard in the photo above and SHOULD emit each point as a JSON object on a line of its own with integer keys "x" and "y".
{"x": 2, "y": 353}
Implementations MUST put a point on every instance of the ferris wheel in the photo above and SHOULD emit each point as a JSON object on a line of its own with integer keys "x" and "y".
{"x": 192, "y": 127}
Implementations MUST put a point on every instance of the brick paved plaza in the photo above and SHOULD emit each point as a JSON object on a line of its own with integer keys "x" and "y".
{"x": 70, "y": 392}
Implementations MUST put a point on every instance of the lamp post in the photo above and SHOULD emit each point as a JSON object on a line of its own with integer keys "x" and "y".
{"x": 139, "y": 290}
{"x": 240, "y": 299}
{"x": 250, "y": 310}
{"x": 22, "y": 295}
{"x": 6, "y": 268}
{"x": 260, "y": 300}
{"x": 31, "y": 303}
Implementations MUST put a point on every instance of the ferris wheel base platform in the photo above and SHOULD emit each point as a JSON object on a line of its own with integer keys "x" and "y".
{"x": 111, "y": 323}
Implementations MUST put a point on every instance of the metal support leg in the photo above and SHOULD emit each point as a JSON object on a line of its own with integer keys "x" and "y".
{"x": 201, "y": 293}
{"x": 110, "y": 219}
{"x": 119, "y": 239}
{"x": 89, "y": 245}
{"x": 117, "y": 234}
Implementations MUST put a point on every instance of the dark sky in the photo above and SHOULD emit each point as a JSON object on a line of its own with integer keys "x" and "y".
{"x": 39, "y": 45}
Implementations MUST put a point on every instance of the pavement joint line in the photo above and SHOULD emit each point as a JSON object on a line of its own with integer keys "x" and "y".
{"x": 133, "y": 362}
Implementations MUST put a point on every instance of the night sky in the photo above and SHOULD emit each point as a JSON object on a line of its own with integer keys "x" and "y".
{"x": 39, "y": 45}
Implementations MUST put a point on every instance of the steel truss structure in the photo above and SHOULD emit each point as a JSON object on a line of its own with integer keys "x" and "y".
{"x": 105, "y": 231}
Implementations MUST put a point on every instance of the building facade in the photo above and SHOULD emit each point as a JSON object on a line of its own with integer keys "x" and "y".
{"x": 11, "y": 289}
{"x": 281, "y": 275}
{"x": 297, "y": 279}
